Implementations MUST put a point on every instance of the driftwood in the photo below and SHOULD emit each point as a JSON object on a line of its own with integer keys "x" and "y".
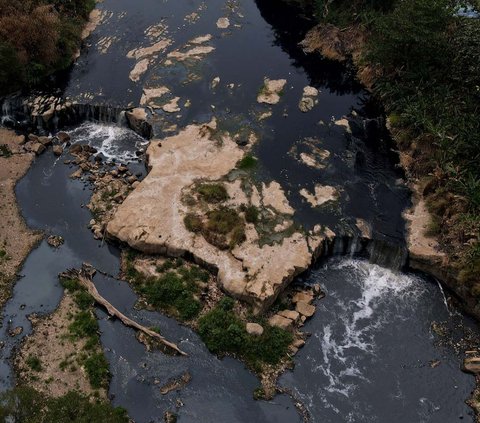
{"x": 84, "y": 277}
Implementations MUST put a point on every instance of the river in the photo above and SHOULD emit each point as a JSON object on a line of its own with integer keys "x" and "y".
{"x": 369, "y": 357}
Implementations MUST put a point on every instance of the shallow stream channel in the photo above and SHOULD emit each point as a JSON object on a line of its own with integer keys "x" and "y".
{"x": 372, "y": 355}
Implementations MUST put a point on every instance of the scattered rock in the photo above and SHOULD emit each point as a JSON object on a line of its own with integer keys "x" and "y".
{"x": 306, "y": 297}
{"x": 322, "y": 195}
{"x": 55, "y": 241}
{"x": 254, "y": 329}
{"x": 223, "y": 23}
{"x": 77, "y": 174}
{"x": 176, "y": 384}
{"x": 46, "y": 141}
{"x": 137, "y": 121}
{"x": 38, "y": 148}
{"x": 57, "y": 150}
{"x": 289, "y": 314}
{"x": 15, "y": 331}
{"x": 169, "y": 417}
{"x": 298, "y": 343}
{"x": 309, "y": 99}
{"x": 305, "y": 309}
{"x": 63, "y": 137}
{"x": 215, "y": 82}
{"x": 271, "y": 90}
{"x": 281, "y": 322}
{"x": 172, "y": 106}
{"x": 472, "y": 365}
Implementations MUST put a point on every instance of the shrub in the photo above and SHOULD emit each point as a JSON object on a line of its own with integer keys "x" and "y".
{"x": 175, "y": 291}
{"x": 247, "y": 162}
{"x": 224, "y": 333}
{"x": 96, "y": 367}
{"x": 25, "y": 404}
{"x": 34, "y": 363}
{"x": 213, "y": 193}
{"x": 223, "y": 220}
{"x": 251, "y": 214}
{"x": 84, "y": 325}
{"x": 193, "y": 223}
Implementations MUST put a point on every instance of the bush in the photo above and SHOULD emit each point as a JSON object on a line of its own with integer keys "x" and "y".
{"x": 84, "y": 325}
{"x": 248, "y": 162}
{"x": 24, "y": 404}
{"x": 213, "y": 193}
{"x": 96, "y": 367}
{"x": 175, "y": 291}
{"x": 34, "y": 363}
{"x": 223, "y": 220}
{"x": 193, "y": 223}
{"x": 251, "y": 214}
{"x": 224, "y": 333}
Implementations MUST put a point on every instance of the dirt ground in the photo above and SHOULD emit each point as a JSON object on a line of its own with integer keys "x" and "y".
{"x": 16, "y": 239}
{"x": 58, "y": 371}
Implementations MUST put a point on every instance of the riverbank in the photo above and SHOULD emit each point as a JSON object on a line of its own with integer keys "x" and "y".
{"x": 17, "y": 240}
{"x": 39, "y": 39}
{"x": 442, "y": 229}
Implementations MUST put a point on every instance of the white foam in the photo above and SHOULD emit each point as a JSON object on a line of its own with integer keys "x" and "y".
{"x": 361, "y": 320}
{"x": 114, "y": 142}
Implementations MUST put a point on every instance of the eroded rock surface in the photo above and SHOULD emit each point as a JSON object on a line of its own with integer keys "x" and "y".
{"x": 152, "y": 218}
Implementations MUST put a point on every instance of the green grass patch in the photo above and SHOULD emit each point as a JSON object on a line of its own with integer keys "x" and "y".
{"x": 34, "y": 363}
{"x": 224, "y": 333}
{"x": 248, "y": 162}
{"x": 213, "y": 193}
{"x": 24, "y": 404}
{"x": 193, "y": 222}
{"x": 96, "y": 367}
{"x": 175, "y": 291}
{"x": 5, "y": 151}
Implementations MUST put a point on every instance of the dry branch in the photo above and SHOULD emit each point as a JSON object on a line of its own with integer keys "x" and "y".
{"x": 84, "y": 277}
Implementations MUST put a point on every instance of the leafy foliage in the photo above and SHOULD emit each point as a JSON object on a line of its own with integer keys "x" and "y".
{"x": 224, "y": 333}
{"x": 24, "y": 404}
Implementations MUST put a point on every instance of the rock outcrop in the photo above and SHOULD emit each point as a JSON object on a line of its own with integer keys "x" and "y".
{"x": 151, "y": 219}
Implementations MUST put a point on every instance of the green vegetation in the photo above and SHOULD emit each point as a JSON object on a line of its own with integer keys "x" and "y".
{"x": 34, "y": 363}
{"x": 224, "y": 227}
{"x": 426, "y": 71}
{"x": 213, "y": 193}
{"x": 37, "y": 38}
{"x": 5, "y": 151}
{"x": 193, "y": 222}
{"x": 251, "y": 214}
{"x": 24, "y": 404}
{"x": 224, "y": 333}
{"x": 85, "y": 326}
{"x": 176, "y": 291}
{"x": 248, "y": 162}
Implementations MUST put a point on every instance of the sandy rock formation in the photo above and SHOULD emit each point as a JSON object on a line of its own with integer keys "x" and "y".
{"x": 271, "y": 91}
{"x": 151, "y": 219}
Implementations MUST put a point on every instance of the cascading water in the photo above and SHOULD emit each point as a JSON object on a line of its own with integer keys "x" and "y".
{"x": 369, "y": 357}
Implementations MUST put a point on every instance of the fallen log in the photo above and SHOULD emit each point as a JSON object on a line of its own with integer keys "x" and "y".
{"x": 84, "y": 277}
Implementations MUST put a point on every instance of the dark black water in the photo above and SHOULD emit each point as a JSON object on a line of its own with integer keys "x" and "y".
{"x": 367, "y": 359}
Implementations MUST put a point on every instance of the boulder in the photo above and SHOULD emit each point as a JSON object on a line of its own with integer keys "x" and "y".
{"x": 38, "y": 148}
{"x": 46, "y": 141}
{"x": 472, "y": 365}
{"x": 306, "y": 297}
{"x": 63, "y": 137}
{"x": 289, "y": 314}
{"x": 137, "y": 121}
{"x": 281, "y": 322}
{"x": 254, "y": 329}
{"x": 32, "y": 137}
{"x": 76, "y": 149}
{"x": 305, "y": 309}
{"x": 57, "y": 150}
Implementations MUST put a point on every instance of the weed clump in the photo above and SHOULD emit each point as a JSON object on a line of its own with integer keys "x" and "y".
{"x": 224, "y": 333}
{"x": 248, "y": 162}
{"x": 213, "y": 193}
